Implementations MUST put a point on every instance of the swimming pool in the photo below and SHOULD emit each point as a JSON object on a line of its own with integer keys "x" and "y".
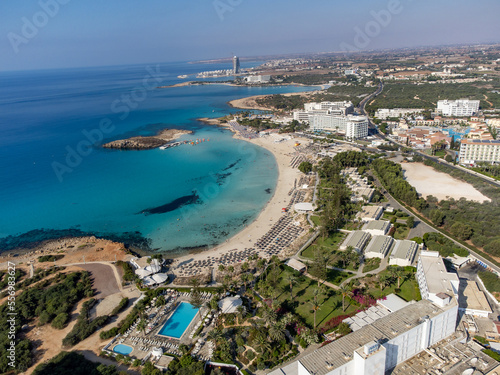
{"x": 123, "y": 349}
{"x": 179, "y": 321}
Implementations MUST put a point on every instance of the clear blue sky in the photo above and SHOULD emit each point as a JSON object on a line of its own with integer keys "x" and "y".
{"x": 109, "y": 32}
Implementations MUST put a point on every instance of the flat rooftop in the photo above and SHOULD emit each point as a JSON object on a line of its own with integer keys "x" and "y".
{"x": 377, "y": 225}
{"x": 393, "y": 303}
{"x": 438, "y": 279}
{"x": 470, "y": 297}
{"x": 339, "y": 352}
{"x": 380, "y": 245}
{"x": 356, "y": 239}
{"x": 405, "y": 249}
{"x": 366, "y": 317}
{"x": 370, "y": 212}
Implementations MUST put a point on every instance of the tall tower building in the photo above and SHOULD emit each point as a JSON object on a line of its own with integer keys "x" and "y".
{"x": 236, "y": 64}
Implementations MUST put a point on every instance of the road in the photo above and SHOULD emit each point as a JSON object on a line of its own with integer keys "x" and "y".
{"x": 420, "y": 226}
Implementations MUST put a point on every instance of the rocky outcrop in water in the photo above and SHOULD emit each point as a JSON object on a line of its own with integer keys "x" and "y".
{"x": 147, "y": 143}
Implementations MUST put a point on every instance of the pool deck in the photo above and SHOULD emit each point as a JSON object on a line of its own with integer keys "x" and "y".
{"x": 143, "y": 343}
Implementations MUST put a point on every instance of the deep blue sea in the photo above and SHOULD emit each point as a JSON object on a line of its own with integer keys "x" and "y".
{"x": 56, "y": 180}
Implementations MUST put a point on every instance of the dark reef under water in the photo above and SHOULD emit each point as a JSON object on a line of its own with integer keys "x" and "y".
{"x": 35, "y": 237}
{"x": 173, "y": 205}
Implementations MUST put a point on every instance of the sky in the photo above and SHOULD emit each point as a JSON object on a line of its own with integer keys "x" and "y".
{"x": 44, "y": 34}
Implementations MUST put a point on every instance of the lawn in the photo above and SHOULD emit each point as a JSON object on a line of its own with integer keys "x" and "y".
{"x": 371, "y": 264}
{"x": 408, "y": 288}
{"x": 332, "y": 242}
{"x": 337, "y": 277}
{"x": 331, "y": 301}
{"x": 316, "y": 220}
{"x": 401, "y": 233}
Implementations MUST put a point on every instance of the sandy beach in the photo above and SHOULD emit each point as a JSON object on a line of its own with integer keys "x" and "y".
{"x": 103, "y": 250}
{"x": 428, "y": 181}
{"x": 272, "y": 211}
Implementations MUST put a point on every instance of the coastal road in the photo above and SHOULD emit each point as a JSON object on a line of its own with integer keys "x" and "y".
{"x": 421, "y": 227}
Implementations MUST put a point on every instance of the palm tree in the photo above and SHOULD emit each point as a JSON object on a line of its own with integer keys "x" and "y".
{"x": 315, "y": 304}
{"x": 399, "y": 274}
{"x": 160, "y": 301}
{"x": 194, "y": 282}
{"x": 245, "y": 267}
{"x": 141, "y": 326}
{"x": 221, "y": 268}
{"x": 244, "y": 280}
{"x": 230, "y": 269}
{"x": 346, "y": 292}
{"x": 269, "y": 316}
{"x": 215, "y": 335}
{"x": 262, "y": 343}
{"x": 197, "y": 301}
{"x": 261, "y": 264}
{"x": 292, "y": 279}
{"x": 277, "y": 332}
{"x": 383, "y": 280}
{"x": 241, "y": 312}
{"x": 344, "y": 257}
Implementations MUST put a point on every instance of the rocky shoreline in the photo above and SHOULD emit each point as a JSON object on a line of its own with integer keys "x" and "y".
{"x": 147, "y": 143}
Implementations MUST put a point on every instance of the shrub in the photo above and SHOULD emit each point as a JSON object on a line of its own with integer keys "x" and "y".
{"x": 60, "y": 321}
{"x": 490, "y": 281}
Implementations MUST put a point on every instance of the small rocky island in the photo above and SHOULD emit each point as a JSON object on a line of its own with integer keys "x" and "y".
{"x": 147, "y": 143}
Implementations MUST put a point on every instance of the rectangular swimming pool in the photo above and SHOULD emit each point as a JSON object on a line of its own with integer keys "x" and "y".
{"x": 179, "y": 320}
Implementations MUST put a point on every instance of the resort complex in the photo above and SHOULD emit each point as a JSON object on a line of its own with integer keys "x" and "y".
{"x": 340, "y": 217}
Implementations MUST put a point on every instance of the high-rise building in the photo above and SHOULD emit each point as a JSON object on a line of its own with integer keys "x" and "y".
{"x": 380, "y": 346}
{"x": 459, "y": 108}
{"x": 236, "y": 64}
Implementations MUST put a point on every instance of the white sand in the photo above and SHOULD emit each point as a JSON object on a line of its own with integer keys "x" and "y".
{"x": 272, "y": 212}
{"x": 428, "y": 181}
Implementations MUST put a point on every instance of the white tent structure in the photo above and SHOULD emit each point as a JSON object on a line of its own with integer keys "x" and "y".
{"x": 160, "y": 278}
{"x": 142, "y": 273}
{"x": 153, "y": 268}
{"x": 229, "y": 305}
{"x": 157, "y": 352}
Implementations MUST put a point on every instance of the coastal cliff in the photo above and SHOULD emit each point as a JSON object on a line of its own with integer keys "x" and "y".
{"x": 147, "y": 143}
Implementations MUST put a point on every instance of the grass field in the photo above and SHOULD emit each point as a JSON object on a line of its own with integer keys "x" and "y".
{"x": 371, "y": 264}
{"x": 331, "y": 301}
{"x": 331, "y": 243}
{"x": 401, "y": 233}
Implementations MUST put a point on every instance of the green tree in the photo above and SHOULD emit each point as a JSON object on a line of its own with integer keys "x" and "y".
{"x": 292, "y": 279}
{"x": 305, "y": 167}
{"x": 277, "y": 332}
{"x": 345, "y": 291}
{"x": 410, "y": 222}
{"x": 197, "y": 301}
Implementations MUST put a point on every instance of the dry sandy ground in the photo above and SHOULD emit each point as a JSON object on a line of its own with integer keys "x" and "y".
{"x": 272, "y": 211}
{"x": 428, "y": 181}
{"x": 104, "y": 279}
{"x": 73, "y": 249}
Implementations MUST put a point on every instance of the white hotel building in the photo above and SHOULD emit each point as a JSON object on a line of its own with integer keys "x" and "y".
{"x": 435, "y": 283}
{"x": 479, "y": 150}
{"x": 354, "y": 127}
{"x": 458, "y": 108}
{"x": 381, "y": 345}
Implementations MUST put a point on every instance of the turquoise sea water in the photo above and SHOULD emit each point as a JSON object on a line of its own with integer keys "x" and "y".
{"x": 179, "y": 321}
{"x": 53, "y": 184}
